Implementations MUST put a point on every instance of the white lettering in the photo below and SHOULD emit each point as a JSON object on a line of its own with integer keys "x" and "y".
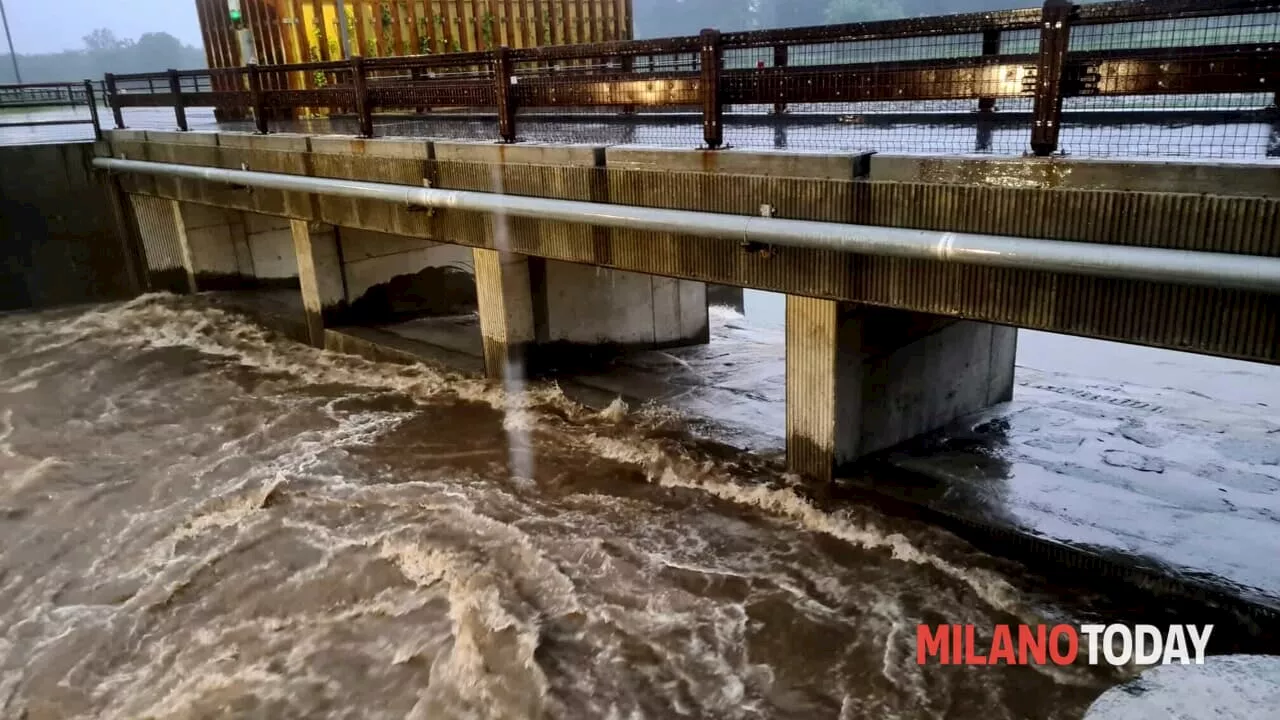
{"x": 1146, "y": 644}
{"x": 1175, "y": 646}
{"x": 1109, "y": 644}
{"x": 1092, "y": 632}
{"x": 1199, "y": 641}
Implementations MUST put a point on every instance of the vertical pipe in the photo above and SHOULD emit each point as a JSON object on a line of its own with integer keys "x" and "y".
{"x": 344, "y": 39}
{"x": 13, "y": 54}
{"x": 712, "y": 109}
{"x": 780, "y": 59}
{"x": 93, "y": 109}
{"x": 179, "y": 107}
{"x": 361, "y": 90}
{"x": 109, "y": 85}
{"x": 1055, "y": 36}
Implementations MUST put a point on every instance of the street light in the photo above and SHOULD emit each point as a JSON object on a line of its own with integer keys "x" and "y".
{"x": 13, "y": 54}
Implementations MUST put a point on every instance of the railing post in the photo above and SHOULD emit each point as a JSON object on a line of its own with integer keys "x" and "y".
{"x": 506, "y": 103}
{"x": 257, "y": 99}
{"x": 179, "y": 108}
{"x": 712, "y": 110}
{"x": 628, "y": 66}
{"x": 361, "y": 90}
{"x": 109, "y": 85}
{"x": 990, "y": 47}
{"x": 91, "y": 97}
{"x": 779, "y": 61}
{"x": 1055, "y": 36}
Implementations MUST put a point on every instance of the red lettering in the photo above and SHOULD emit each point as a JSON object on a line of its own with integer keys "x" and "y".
{"x": 1055, "y": 644}
{"x": 1002, "y": 646}
{"x": 971, "y": 656}
{"x": 957, "y": 645}
{"x": 1033, "y": 644}
{"x": 930, "y": 642}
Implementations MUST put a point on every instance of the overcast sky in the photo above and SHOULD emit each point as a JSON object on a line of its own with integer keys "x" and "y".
{"x": 51, "y": 25}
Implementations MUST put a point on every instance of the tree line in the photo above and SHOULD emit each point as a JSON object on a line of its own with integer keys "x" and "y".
{"x": 102, "y": 53}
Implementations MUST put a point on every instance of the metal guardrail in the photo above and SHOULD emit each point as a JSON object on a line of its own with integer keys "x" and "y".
{"x": 39, "y": 96}
{"x": 1025, "y": 65}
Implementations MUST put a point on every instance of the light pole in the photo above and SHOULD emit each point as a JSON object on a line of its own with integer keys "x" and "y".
{"x": 13, "y": 54}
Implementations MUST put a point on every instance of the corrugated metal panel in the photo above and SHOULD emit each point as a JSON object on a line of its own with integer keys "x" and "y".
{"x": 811, "y": 378}
{"x": 159, "y": 230}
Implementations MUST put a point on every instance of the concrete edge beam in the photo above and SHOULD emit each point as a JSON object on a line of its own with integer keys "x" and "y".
{"x": 825, "y": 166}
{"x": 1218, "y": 177}
{"x": 177, "y": 137}
{"x": 392, "y": 148}
{"x": 520, "y": 154}
{"x": 281, "y": 142}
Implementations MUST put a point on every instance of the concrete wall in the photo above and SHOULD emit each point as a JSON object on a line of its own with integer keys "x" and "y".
{"x": 61, "y": 240}
{"x": 389, "y": 276}
{"x": 270, "y": 241}
{"x": 593, "y": 305}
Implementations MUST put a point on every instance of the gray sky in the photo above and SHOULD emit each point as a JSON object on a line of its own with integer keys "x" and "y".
{"x": 51, "y": 25}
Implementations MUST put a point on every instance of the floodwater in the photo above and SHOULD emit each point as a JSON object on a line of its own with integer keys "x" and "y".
{"x": 199, "y": 519}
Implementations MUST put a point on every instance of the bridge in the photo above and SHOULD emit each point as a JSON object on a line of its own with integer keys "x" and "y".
{"x": 595, "y": 191}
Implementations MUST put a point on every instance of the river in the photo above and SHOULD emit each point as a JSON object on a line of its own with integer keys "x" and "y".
{"x": 200, "y": 519}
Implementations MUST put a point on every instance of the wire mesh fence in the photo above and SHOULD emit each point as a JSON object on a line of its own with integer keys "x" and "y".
{"x": 1192, "y": 78}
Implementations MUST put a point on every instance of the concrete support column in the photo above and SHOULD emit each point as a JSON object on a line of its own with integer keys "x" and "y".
{"x": 319, "y": 274}
{"x": 505, "y": 301}
{"x": 212, "y": 241}
{"x": 862, "y": 378}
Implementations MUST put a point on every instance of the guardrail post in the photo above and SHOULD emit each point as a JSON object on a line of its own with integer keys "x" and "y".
{"x": 257, "y": 100}
{"x": 91, "y": 96}
{"x": 179, "y": 108}
{"x": 628, "y": 66}
{"x": 109, "y": 85}
{"x": 779, "y": 61}
{"x": 360, "y": 87}
{"x": 712, "y": 110}
{"x": 990, "y": 46}
{"x": 1055, "y": 36}
{"x": 506, "y": 103}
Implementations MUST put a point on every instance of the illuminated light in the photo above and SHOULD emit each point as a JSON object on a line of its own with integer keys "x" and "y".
{"x": 234, "y": 11}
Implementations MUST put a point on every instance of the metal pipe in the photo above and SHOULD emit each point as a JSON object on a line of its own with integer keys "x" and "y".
{"x": 1187, "y": 267}
{"x": 13, "y": 54}
{"x": 344, "y": 42}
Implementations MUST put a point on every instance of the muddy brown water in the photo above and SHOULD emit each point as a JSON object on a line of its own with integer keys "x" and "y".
{"x": 199, "y": 519}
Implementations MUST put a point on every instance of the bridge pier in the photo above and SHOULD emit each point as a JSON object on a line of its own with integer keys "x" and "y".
{"x": 863, "y": 378}
{"x": 319, "y": 274}
{"x": 535, "y": 311}
{"x": 214, "y": 246}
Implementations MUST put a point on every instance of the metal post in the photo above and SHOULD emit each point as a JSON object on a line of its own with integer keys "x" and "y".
{"x": 628, "y": 66}
{"x": 13, "y": 54}
{"x": 779, "y": 61}
{"x": 109, "y": 86}
{"x": 257, "y": 100}
{"x": 506, "y": 104}
{"x": 93, "y": 109}
{"x": 1055, "y": 36}
{"x": 361, "y": 90}
{"x": 990, "y": 46}
{"x": 179, "y": 107}
{"x": 344, "y": 42}
{"x": 712, "y": 110}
